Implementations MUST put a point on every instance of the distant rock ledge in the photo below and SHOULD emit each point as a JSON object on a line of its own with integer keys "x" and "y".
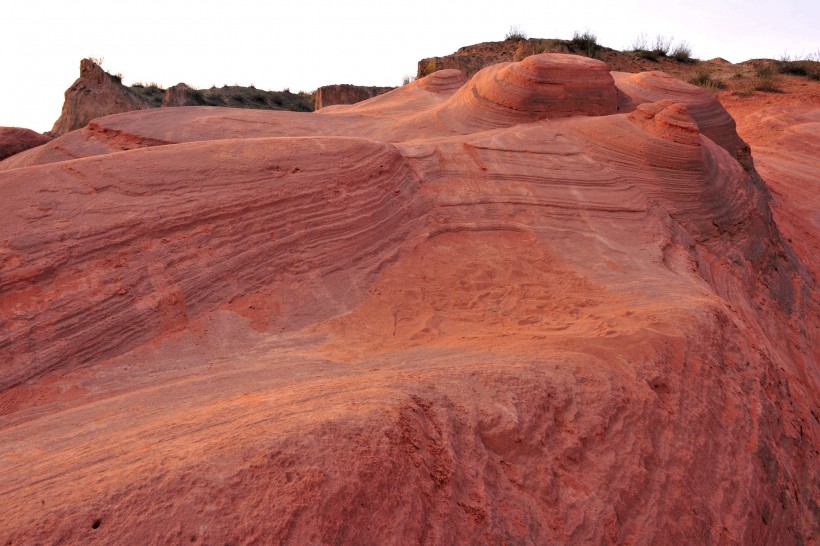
{"x": 329, "y": 95}
{"x": 96, "y": 93}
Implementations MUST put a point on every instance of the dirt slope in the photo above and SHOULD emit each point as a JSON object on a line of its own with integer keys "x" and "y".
{"x": 548, "y": 304}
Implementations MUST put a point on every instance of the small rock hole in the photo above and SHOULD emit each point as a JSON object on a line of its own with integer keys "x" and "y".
{"x": 96, "y": 524}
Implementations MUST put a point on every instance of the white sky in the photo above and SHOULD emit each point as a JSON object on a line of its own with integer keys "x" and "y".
{"x": 303, "y": 45}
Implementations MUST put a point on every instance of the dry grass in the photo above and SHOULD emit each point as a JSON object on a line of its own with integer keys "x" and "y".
{"x": 705, "y": 79}
{"x": 585, "y": 43}
{"x": 766, "y": 79}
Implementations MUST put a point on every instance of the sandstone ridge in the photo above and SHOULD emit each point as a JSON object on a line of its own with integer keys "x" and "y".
{"x": 540, "y": 303}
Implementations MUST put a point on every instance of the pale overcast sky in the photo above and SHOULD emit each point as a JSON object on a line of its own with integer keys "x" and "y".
{"x": 303, "y": 45}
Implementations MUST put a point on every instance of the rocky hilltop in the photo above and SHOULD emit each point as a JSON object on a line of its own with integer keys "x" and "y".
{"x": 96, "y": 93}
{"x": 545, "y": 303}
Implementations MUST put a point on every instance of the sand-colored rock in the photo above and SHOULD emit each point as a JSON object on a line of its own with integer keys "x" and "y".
{"x": 14, "y": 140}
{"x": 94, "y": 94}
{"x": 470, "y": 311}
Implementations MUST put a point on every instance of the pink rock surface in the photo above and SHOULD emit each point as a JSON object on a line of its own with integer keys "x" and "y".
{"x": 459, "y": 312}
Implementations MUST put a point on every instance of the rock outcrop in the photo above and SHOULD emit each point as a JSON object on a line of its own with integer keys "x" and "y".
{"x": 182, "y": 95}
{"x": 473, "y": 310}
{"x": 14, "y": 140}
{"x": 471, "y": 59}
{"x": 95, "y": 94}
{"x": 329, "y": 95}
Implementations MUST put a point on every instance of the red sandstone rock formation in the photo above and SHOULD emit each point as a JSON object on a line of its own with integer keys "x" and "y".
{"x": 95, "y": 94}
{"x": 14, "y": 140}
{"x": 465, "y": 311}
{"x": 329, "y": 95}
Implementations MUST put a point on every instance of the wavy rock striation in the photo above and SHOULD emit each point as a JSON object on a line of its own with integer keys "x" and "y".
{"x": 536, "y": 306}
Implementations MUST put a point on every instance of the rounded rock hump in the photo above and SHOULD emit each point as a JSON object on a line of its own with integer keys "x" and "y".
{"x": 669, "y": 120}
{"x": 711, "y": 118}
{"x": 447, "y": 80}
{"x": 549, "y": 85}
{"x": 14, "y": 140}
{"x": 554, "y": 85}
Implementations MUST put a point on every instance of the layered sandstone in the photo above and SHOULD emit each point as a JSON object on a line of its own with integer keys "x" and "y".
{"x": 536, "y": 305}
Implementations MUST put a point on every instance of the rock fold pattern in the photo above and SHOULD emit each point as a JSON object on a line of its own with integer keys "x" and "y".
{"x": 543, "y": 304}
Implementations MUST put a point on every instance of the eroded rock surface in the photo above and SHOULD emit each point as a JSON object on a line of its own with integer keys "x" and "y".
{"x": 477, "y": 310}
{"x": 95, "y": 94}
{"x": 328, "y": 95}
{"x": 14, "y": 140}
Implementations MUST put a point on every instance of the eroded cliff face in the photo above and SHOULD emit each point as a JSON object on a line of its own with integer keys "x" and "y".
{"x": 95, "y": 94}
{"x": 329, "y": 95}
{"x": 543, "y": 304}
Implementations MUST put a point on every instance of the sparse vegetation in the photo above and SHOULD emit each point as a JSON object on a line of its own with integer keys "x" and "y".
{"x": 515, "y": 33}
{"x": 405, "y": 80}
{"x": 766, "y": 79}
{"x": 585, "y": 43}
{"x": 640, "y": 43}
{"x": 151, "y": 92}
{"x": 429, "y": 68}
{"x": 649, "y": 52}
{"x": 234, "y": 96}
{"x": 661, "y": 46}
{"x": 682, "y": 53}
{"x": 705, "y": 79}
{"x": 809, "y": 66}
